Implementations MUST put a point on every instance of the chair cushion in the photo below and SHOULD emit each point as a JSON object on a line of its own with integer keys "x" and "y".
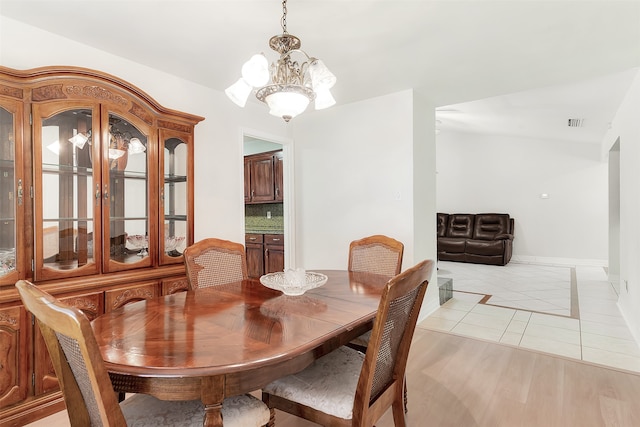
{"x": 328, "y": 384}
{"x": 452, "y": 245}
{"x": 485, "y": 247}
{"x": 143, "y": 410}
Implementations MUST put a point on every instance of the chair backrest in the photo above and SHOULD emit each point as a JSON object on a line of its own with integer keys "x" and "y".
{"x": 383, "y": 371}
{"x": 376, "y": 254}
{"x": 213, "y": 262}
{"x": 84, "y": 380}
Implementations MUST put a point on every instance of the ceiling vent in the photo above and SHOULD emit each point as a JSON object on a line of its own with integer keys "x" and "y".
{"x": 576, "y": 123}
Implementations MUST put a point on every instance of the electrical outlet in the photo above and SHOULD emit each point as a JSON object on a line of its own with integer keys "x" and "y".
{"x": 268, "y": 214}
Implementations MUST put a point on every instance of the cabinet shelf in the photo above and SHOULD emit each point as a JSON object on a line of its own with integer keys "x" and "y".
{"x": 51, "y": 168}
{"x": 175, "y": 178}
{"x": 129, "y": 218}
{"x": 66, "y": 219}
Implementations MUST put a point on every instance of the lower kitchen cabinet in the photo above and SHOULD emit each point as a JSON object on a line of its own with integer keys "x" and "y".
{"x": 265, "y": 253}
{"x": 254, "y": 249}
{"x": 273, "y": 253}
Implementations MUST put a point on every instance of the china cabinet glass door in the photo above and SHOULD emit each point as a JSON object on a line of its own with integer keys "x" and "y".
{"x": 176, "y": 231}
{"x": 11, "y": 191}
{"x": 67, "y": 185}
{"x": 129, "y": 240}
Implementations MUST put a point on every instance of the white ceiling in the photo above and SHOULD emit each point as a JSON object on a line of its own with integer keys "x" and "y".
{"x": 574, "y": 53}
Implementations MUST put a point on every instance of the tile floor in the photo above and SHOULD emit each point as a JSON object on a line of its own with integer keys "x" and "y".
{"x": 590, "y": 329}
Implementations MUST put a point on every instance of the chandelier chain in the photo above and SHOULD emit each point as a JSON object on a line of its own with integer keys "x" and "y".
{"x": 283, "y": 21}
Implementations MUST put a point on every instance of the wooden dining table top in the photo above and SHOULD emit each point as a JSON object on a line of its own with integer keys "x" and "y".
{"x": 215, "y": 342}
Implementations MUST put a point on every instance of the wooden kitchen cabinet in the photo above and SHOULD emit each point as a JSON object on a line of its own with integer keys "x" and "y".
{"x": 278, "y": 176}
{"x": 273, "y": 253}
{"x": 265, "y": 253}
{"x": 254, "y": 249}
{"x": 263, "y": 177}
{"x": 96, "y": 206}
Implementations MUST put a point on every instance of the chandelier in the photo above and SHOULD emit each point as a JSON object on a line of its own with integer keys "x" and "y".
{"x": 287, "y": 86}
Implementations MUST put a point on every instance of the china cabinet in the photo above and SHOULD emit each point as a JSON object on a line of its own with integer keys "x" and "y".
{"x": 96, "y": 188}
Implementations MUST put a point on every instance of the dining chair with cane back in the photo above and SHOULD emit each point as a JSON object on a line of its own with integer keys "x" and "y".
{"x": 349, "y": 388}
{"x": 376, "y": 254}
{"x": 213, "y": 262}
{"x": 87, "y": 388}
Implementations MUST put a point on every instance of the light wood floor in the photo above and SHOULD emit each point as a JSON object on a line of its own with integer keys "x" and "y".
{"x": 456, "y": 381}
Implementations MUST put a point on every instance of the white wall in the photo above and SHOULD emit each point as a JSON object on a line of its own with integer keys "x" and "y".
{"x": 626, "y": 128}
{"x": 355, "y": 166}
{"x": 219, "y": 209}
{"x": 496, "y": 173}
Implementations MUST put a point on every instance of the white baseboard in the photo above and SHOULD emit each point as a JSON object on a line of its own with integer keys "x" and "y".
{"x": 524, "y": 259}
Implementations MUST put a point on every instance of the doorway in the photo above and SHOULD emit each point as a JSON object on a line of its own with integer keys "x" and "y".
{"x": 272, "y": 217}
{"x": 614, "y": 216}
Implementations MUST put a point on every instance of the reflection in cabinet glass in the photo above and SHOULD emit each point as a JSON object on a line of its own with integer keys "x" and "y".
{"x": 175, "y": 196}
{"x": 7, "y": 203}
{"x": 67, "y": 187}
{"x": 127, "y": 192}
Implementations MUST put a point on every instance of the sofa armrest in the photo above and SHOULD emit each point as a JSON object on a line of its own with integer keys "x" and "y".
{"x": 504, "y": 236}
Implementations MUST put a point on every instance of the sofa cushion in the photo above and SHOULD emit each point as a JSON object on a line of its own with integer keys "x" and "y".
{"x": 460, "y": 225}
{"x": 489, "y": 226}
{"x": 443, "y": 218}
{"x": 451, "y": 245}
{"x": 484, "y": 247}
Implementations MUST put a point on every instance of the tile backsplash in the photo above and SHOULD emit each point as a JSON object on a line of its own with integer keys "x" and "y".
{"x": 256, "y": 218}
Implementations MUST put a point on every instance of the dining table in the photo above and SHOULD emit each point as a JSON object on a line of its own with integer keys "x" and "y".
{"x": 226, "y": 340}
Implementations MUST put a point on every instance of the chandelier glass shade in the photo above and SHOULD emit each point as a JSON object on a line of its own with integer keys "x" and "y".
{"x": 287, "y": 86}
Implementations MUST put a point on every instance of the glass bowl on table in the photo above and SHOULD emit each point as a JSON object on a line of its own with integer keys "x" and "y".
{"x": 293, "y": 282}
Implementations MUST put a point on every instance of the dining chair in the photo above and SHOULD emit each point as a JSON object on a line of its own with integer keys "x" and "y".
{"x": 87, "y": 389}
{"x": 213, "y": 262}
{"x": 348, "y": 388}
{"x": 376, "y": 254}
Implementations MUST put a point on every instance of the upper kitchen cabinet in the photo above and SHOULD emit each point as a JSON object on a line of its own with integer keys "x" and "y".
{"x": 112, "y": 173}
{"x": 263, "y": 177}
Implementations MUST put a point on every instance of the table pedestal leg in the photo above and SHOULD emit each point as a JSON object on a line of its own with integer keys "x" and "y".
{"x": 212, "y": 395}
{"x": 213, "y": 415}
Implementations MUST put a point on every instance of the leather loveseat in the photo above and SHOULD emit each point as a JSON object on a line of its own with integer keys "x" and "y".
{"x": 485, "y": 238}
